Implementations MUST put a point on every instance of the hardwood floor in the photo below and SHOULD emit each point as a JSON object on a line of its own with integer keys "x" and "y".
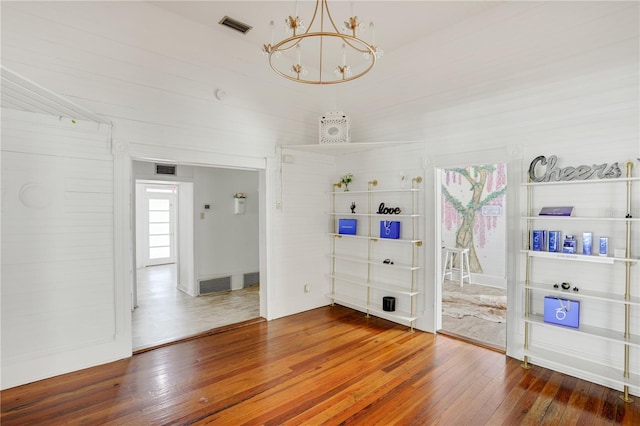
{"x": 326, "y": 366}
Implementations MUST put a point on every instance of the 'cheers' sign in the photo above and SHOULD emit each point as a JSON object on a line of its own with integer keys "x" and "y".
{"x": 552, "y": 172}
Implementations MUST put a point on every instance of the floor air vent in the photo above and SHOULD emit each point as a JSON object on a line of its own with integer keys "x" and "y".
{"x": 214, "y": 285}
{"x": 251, "y": 279}
{"x": 166, "y": 169}
{"x": 234, "y": 24}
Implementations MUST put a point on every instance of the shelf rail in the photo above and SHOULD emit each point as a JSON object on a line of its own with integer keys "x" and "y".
{"x": 629, "y": 261}
{"x": 415, "y": 244}
{"x": 627, "y": 292}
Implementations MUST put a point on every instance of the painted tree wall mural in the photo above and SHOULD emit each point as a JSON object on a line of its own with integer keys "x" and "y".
{"x": 465, "y": 191}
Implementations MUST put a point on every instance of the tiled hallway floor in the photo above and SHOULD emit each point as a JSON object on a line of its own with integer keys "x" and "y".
{"x": 165, "y": 314}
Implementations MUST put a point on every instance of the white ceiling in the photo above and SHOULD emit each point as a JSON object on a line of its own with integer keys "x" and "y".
{"x": 397, "y": 23}
{"x": 446, "y": 52}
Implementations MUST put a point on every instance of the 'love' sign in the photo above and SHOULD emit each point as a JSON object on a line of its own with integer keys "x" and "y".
{"x": 388, "y": 210}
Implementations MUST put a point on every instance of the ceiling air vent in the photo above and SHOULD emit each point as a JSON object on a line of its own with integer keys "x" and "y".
{"x": 166, "y": 169}
{"x": 235, "y": 25}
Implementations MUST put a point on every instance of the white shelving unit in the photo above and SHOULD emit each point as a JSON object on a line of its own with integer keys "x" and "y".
{"x": 620, "y": 294}
{"x": 359, "y": 277}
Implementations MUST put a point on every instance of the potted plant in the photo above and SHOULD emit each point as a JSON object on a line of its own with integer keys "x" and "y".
{"x": 346, "y": 180}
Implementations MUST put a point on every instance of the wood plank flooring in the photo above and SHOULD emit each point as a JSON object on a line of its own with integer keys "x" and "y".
{"x": 326, "y": 366}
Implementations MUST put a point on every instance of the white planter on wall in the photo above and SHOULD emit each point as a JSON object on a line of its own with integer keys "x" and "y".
{"x": 238, "y": 205}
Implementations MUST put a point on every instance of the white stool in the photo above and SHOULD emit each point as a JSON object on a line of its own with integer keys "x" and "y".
{"x": 462, "y": 254}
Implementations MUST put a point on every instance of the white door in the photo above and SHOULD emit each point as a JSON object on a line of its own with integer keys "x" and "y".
{"x": 160, "y": 212}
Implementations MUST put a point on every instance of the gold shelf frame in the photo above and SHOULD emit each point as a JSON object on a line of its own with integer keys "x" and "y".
{"x": 415, "y": 245}
{"x": 625, "y": 396}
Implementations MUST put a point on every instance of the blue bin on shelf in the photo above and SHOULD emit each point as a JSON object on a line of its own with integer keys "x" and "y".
{"x": 347, "y": 226}
{"x": 389, "y": 229}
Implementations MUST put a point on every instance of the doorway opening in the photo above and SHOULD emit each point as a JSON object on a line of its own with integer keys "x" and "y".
{"x": 189, "y": 235}
{"x": 473, "y": 235}
{"x": 157, "y": 223}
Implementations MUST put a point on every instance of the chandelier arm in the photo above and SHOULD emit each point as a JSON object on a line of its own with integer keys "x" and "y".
{"x": 344, "y": 37}
{"x": 313, "y": 18}
{"x": 333, "y": 24}
{"x": 299, "y": 38}
{"x": 369, "y": 50}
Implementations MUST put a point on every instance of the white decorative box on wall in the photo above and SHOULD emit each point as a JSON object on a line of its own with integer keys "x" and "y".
{"x": 334, "y": 128}
{"x": 239, "y": 202}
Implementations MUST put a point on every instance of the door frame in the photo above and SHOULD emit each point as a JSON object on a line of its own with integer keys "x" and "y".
{"x": 142, "y": 211}
{"x": 184, "y": 241}
{"x": 512, "y": 157}
{"x": 126, "y": 153}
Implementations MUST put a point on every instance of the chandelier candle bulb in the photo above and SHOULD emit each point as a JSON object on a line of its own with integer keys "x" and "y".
{"x": 272, "y": 27}
{"x": 373, "y": 33}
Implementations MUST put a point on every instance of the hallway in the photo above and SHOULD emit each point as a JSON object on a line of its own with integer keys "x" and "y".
{"x": 165, "y": 314}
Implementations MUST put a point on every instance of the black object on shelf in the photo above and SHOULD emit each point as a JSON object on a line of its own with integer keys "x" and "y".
{"x": 388, "y": 303}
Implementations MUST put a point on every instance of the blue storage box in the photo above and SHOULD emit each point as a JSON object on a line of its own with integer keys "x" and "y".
{"x": 347, "y": 226}
{"x": 562, "y": 311}
{"x": 389, "y": 229}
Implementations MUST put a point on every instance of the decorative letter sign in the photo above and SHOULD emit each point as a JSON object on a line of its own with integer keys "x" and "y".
{"x": 552, "y": 172}
{"x": 388, "y": 210}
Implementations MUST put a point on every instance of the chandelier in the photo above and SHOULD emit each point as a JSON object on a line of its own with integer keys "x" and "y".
{"x": 322, "y": 54}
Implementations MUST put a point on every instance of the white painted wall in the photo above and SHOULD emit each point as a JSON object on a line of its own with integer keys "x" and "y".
{"x": 154, "y": 74}
{"x": 300, "y": 233}
{"x": 388, "y": 166}
{"x": 61, "y": 309}
{"x": 522, "y": 79}
{"x": 583, "y": 107}
{"x": 307, "y": 178}
{"x": 226, "y": 243}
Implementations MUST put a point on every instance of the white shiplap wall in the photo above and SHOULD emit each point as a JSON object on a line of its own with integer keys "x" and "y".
{"x": 154, "y": 74}
{"x": 577, "y": 97}
{"x": 523, "y": 78}
{"x": 300, "y": 229}
{"x": 506, "y": 67}
{"x": 388, "y": 166}
{"x": 58, "y": 283}
{"x": 304, "y": 223}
